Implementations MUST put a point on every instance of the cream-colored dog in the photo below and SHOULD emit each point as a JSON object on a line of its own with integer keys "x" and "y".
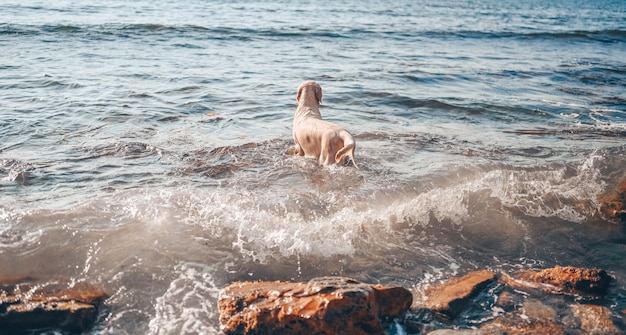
{"x": 316, "y": 138}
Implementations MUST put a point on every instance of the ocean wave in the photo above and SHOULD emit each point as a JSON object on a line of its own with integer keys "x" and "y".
{"x": 263, "y": 222}
{"x": 392, "y": 99}
{"x": 578, "y": 132}
{"x": 303, "y": 211}
{"x": 127, "y": 150}
{"x": 131, "y": 30}
{"x": 290, "y": 32}
{"x": 418, "y": 108}
{"x": 13, "y": 170}
{"x": 225, "y": 161}
{"x": 606, "y": 35}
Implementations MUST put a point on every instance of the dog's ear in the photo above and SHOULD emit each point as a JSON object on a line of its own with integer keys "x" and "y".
{"x": 298, "y": 94}
{"x": 318, "y": 94}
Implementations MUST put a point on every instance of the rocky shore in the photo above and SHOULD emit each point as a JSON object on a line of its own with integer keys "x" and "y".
{"x": 521, "y": 303}
{"x": 559, "y": 300}
{"x": 480, "y": 302}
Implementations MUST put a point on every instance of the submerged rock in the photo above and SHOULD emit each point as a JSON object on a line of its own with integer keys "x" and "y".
{"x": 509, "y": 301}
{"x": 571, "y": 279}
{"x": 532, "y": 318}
{"x": 613, "y": 202}
{"x": 516, "y": 324}
{"x": 28, "y": 305}
{"x": 459, "y": 332}
{"x": 595, "y": 319}
{"x": 450, "y": 298}
{"x": 326, "y": 305}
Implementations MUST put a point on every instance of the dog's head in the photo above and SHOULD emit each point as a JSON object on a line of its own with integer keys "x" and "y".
{"x": 310, "y": 85}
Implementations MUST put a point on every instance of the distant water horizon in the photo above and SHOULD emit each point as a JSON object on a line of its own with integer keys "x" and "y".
{"x": 143, "y": 145}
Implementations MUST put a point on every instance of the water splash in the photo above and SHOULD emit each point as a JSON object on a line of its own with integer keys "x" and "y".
{"x": 188, "y": 306}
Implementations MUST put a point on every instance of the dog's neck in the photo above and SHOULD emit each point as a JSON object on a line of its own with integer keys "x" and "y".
{"x": 308, "y": 107}
{"x": 306, "y": 112}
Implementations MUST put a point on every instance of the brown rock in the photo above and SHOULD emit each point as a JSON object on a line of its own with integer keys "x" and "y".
{"x": 459, "y": 332}
{"x": 613, "y": 203}
{"x": 534, "y": 318}
{"x": 323, "y": 306}
{"x": 27, "y": 304}
{"x": 595, "y": 320}
{"x": 509, "y": 301}
{"x": 571, "y": 279}
{"x": 450, "y": 298}
{"x": 536, "y": 310}
{"x": 515, "y": 325}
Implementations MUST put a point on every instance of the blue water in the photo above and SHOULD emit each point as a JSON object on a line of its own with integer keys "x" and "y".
{"x": 142, "y": 145}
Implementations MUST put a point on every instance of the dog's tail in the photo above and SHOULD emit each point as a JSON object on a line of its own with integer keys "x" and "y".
{"x": 348, "y": 148}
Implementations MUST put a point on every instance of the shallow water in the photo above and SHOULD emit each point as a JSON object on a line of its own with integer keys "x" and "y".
{"x": 142, "y": 146}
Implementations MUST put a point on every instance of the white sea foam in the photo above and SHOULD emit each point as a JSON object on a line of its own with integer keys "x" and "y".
{"x": 12, "y": 170}
{"x": 548, "y": 192}
{"x": 259, "y": 223}
{"x": 189, "y": 304}
{"x": 12, "y": 236}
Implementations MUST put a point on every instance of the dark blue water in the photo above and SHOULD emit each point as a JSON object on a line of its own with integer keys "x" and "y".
{"x": 142, "y": 145}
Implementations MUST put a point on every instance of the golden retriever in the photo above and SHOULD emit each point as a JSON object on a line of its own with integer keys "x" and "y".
{"x": 316, "y": 138}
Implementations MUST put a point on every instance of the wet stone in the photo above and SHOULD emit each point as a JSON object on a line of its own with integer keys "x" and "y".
{"x": 509, "y": 301}
{"x": 420, "y": 321}
{"x": 571, "y": 279}
{"x": 536, "y": 310}
{"x": 28, "y": 305}
{"x": 461, "y": 332}
{"x": 613, "y": 202}
{"x": 533, "y": 318}
{"x": 450, "y": 298}
{"x": 324, "y": 306}
{"x": 516, "y": 325}
{"x": 595, "y": 319}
